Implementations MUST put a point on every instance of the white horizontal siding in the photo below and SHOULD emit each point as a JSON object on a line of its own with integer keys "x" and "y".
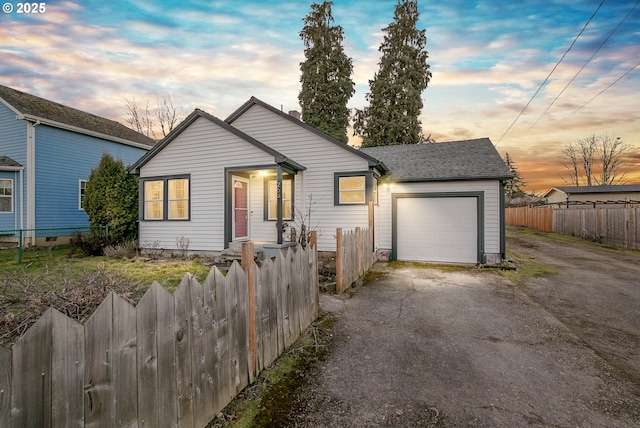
{"x": 491, "y": 189}
{"x": 321, "y": 159}
{"x": 203, "y": 150}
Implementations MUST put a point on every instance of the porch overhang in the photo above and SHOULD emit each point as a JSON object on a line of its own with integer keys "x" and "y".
{"x": 283, "y": 166}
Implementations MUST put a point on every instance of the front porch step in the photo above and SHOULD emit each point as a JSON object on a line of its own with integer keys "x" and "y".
{"x": 235, "y": 253}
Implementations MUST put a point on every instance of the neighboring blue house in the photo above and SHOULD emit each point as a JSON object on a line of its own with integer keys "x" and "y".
{"x": 47, "y": 151}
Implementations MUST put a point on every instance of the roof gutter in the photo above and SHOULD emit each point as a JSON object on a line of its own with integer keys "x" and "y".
{"x": 39, "y": 120}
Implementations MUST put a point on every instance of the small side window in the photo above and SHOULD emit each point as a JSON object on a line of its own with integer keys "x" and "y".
{"x": 82, "y": 187}
{"x": 6, "y": 196}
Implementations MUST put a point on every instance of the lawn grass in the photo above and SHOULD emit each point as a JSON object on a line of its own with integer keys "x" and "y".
{"x": 60, "y": 265}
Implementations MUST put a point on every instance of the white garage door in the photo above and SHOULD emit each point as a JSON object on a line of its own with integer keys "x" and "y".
{"x": 437, "y": 229}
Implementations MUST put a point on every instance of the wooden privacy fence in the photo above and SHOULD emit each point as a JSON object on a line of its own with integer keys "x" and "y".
{"x": 615, "y": 226}
{"x": 354, "y": 255}
{"x": 619, "y": 226}
{"x": 173, "y": 360}
{"x": 539, "y": 218}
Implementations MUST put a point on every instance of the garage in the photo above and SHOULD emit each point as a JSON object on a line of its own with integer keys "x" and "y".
{"x": 437, "y": 228}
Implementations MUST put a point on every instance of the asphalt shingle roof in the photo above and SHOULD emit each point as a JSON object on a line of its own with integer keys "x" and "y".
{"x": 620, "y": 188}
{"x": 455, "y": 160}
{"x": 31, "y": 105}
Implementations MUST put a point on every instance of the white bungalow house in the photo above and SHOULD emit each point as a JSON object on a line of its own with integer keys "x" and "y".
{"x": 261, "y": 172}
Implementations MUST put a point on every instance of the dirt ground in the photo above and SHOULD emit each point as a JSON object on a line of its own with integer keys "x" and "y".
{"x": 429, "y": 347}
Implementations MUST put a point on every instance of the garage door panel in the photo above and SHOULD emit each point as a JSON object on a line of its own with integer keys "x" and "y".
{"x": 437, "y": 229}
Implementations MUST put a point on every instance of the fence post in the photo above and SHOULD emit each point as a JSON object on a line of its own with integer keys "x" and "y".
{"x": 339, "y": 261}
{"x": 372, "y": 225}
{"x": 313, "y": 243}
{"x": 20, "y": 248}
{"x": 249, "y": 266}
{"x": 359, "y": 249}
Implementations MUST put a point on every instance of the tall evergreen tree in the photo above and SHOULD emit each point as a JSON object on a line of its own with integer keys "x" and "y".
{"x": 513, "y": 186}
{"x": 326, "y": 74}
{"x": 395, "y": 98}
{"x": 111, "y": 198}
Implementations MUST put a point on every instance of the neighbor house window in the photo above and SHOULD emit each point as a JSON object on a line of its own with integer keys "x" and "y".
{"x": 272, "y": 199}
{"x": 82, "y": 187}
{"x": 6, "y": 196}
{"x": 166, "y": 198}
{"x": 352, "y": 190}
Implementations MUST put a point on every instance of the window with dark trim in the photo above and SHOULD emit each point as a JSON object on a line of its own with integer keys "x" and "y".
{"x": 355, "y": 188}
{"x": 82, "y": 188}
{"x": 6, "y": 195}
{"x": 352, "y": 190}
{"x": 271, "y": 199}
{"x": 166, "y": 198}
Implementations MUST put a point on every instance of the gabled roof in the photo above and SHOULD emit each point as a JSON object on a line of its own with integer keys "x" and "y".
{"x": 279, "y": 158}
{"x": 8, "y": 164}
{"x": 58, "y": 115}
{"x": 255, "y": 101}
{"x": 621, "y": 188}
{"x": 456, "y": 160}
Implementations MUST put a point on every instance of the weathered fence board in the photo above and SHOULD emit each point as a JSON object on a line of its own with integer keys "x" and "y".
{"x": 99, "y": 390}
{"x": 354, "y": 255}
{"x": 67, "y": 371}
{"x": 5, "y": 387}
{"x": 172, "y": 361}
{"x": 31, "y": 383}
{"x": 124, "y": 362}
{"x": 155, "y": 322}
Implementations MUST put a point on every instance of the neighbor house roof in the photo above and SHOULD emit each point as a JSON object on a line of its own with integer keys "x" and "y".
{"x": 255, "y": 101}
{"x": 455, "y": 160}
{"x": 279, "y": 158}
{"x": 622, "y": 188}
{"x": 58, "y": 115}
{"x": 8, "y": 164}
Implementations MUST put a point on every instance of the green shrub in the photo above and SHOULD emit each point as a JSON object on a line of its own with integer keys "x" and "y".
{"x": 111, "y": 198}
{"x": 92, "y": 244}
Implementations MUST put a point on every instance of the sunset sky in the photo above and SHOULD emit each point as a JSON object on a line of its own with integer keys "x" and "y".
{"x": 488, "y": 59}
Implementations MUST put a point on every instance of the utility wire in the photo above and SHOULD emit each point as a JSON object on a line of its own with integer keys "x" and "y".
{"x": 585, "y": 64}
{"x": 550, "y": 73}
{"x": 605, "y": 89}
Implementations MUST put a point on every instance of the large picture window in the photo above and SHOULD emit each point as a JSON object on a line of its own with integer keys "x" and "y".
{"x": 166, "y": 198}
{"x": 6, "y": 195}
{"x": 272, "y": 199}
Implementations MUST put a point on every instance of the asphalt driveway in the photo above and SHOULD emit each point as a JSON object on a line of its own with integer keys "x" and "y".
{"x": 427, "y": 347}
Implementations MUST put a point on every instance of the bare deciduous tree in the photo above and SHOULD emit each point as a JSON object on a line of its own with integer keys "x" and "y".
{"x": 154, "y": 123}
{"x": 570, "y": 161}
{"x": 596, "y": 153}
{"x": 612, "y": 154}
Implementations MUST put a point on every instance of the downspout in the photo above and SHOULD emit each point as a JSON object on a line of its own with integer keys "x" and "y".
{"x": 503, "y": 235}
{"x": 31, "y": 179}
{"x": 21, "y": 175}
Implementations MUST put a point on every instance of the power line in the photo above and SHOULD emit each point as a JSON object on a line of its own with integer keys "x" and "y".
{"x": 605, "y": 89}
{"x": 585, "y": 64}
{"x": 550, "y": 73}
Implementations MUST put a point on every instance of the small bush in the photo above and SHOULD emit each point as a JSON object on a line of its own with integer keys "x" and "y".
{"x": 92, "y": 244}
{"x": 125, "y": 250}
